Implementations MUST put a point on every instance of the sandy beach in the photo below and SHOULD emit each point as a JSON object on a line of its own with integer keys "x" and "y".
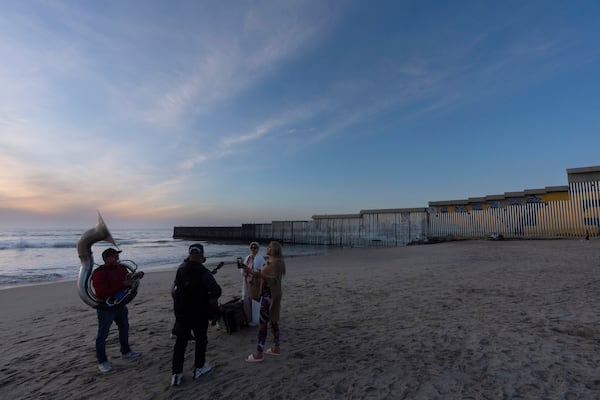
{"x": 456, "y": 320}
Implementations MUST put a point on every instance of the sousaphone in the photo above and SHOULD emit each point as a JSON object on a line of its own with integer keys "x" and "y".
{"x": 84, "y": 248}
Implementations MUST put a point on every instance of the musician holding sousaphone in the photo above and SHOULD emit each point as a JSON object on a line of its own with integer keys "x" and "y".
{"x": 111, "y": 282}
{"x": 108, "y": 289}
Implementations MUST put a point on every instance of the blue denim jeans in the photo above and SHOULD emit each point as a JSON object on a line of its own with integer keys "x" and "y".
{"x": 105, "y": 320}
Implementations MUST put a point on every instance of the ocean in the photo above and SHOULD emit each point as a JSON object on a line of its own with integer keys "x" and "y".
{"x": 34, "y": 256}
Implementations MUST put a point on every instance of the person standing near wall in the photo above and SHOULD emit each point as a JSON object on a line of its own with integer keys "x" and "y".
{"x": 254, "y": 262}
{"x": 269, "y": 281}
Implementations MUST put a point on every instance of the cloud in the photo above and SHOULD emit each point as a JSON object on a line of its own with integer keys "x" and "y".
{"x": 263, "y": 129}
{"x": 221, "y": 66}
{"x": 192, "y": 162}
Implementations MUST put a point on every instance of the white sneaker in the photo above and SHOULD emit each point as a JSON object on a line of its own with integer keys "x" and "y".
{"x": 198, "y": 372}
{"x": 176, "y": 379}
{"x": 105, "y": 367}
{"x": 131, "y": 355}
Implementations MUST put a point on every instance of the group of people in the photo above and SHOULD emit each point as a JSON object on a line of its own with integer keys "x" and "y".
{"x": 195, "y": 303}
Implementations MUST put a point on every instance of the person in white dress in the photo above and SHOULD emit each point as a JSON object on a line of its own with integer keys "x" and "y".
{"x": 254, "y": 261}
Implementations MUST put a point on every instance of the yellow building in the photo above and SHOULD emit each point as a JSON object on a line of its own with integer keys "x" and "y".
{"x": 572, "y": 210}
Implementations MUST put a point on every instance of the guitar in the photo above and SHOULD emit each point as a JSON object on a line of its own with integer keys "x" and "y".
{"x": 218, "y": 267}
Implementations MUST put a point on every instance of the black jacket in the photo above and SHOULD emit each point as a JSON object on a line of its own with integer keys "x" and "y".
{"x": 195, "y": 292}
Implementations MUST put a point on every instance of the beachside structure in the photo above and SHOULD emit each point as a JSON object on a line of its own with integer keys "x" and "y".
{"x": 558, "y": 211}
{"x": 552, "y": 212}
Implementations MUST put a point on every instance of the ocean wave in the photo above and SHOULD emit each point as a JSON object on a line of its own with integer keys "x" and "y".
{"x": 24, "y": 244}
{"x": 30, "y": 278}
{"x": 64, "y": 245}
{"x": 67, "y": 244}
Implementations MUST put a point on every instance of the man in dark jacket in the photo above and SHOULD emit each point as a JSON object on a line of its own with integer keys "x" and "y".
{"x": 195, "y": 294}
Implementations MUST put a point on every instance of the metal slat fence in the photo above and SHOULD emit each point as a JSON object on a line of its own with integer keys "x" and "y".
{"x": 361, "y": 230}
{"x": 579, "y": 216}
{"x": 576, "y": 217}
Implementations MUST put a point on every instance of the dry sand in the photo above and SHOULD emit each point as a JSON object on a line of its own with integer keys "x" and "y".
{"x": 460, "y": 320}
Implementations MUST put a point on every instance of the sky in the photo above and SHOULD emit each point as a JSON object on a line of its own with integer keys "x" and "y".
{"x": 220, "y": 113}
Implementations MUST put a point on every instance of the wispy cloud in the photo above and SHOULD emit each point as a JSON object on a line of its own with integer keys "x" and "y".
{"x": 240, "y": 57}
{"x": 192, "y": 162}
{"x": 258, "y": 132}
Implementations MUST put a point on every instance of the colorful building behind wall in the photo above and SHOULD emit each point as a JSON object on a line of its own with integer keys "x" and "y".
{"x": 557, "y": 211}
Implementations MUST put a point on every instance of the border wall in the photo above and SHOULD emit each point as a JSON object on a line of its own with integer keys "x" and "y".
{"x": 551, "y": 212}
{"x": 393, "y": 227}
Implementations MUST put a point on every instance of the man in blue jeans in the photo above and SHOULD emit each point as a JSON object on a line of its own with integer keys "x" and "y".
{"x": 108, "y": 281}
